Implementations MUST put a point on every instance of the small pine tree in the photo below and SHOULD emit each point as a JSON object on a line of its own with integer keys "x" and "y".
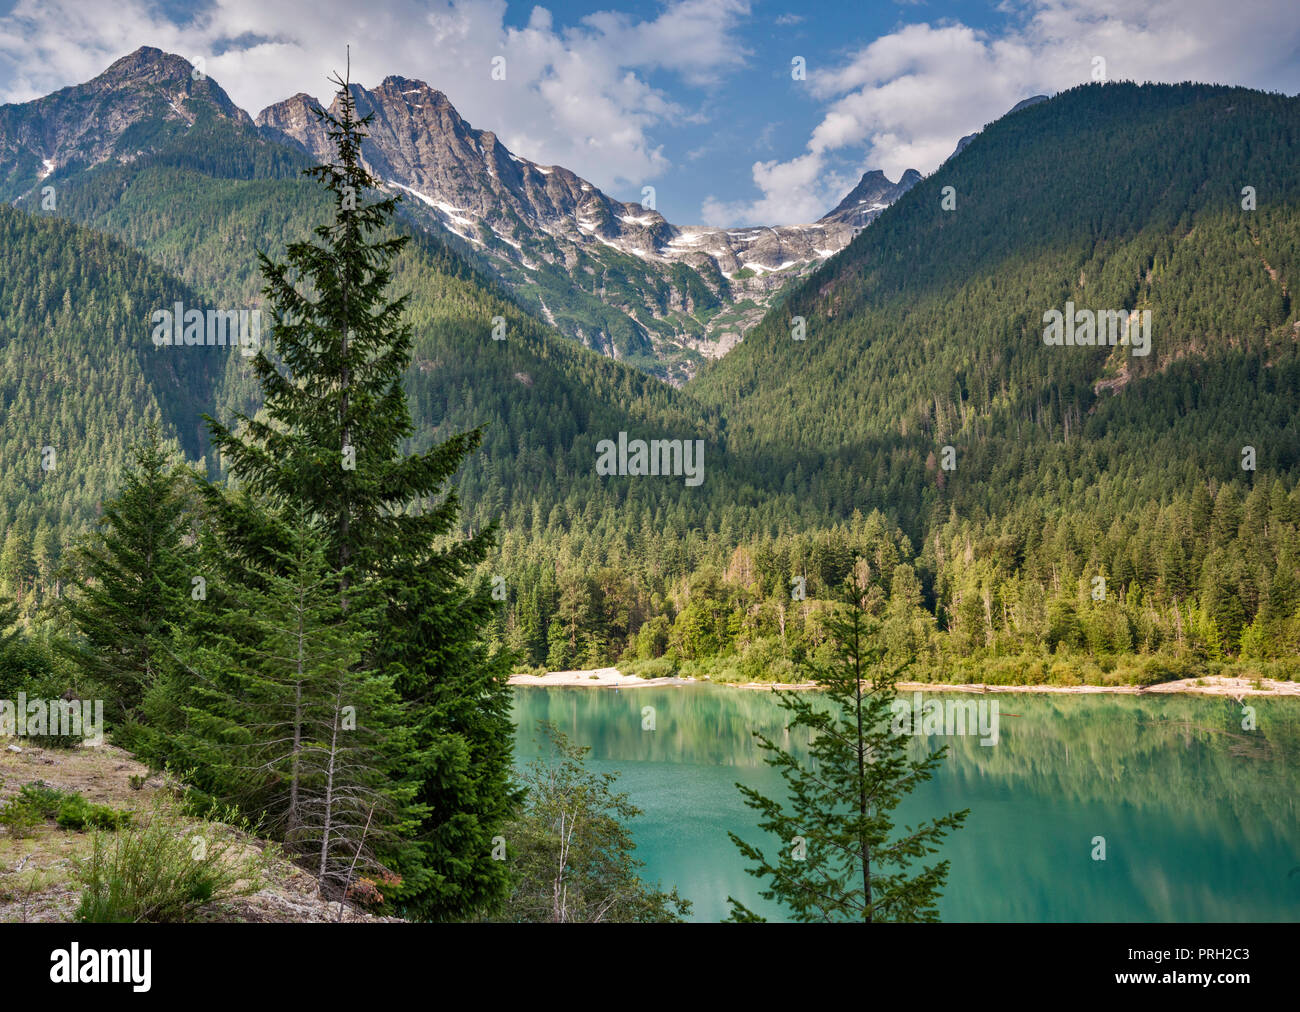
{"x": 132, "y": 575}
{"x": 839, "y": 858}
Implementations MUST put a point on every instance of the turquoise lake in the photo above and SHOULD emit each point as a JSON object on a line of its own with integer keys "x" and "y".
{"x": 1200, "y": 817}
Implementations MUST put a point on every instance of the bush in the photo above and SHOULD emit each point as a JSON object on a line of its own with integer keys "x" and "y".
{"x": 41, "y": 797}
{"x": 75, "y": 812}
{"x": 27, "y": 666}
{"x": 660, "y": 667}
{"x": 162, "y": 873}
{"x": 19, "y": 819}
{"x": 37, "y": 801}
{"x": 31, "y": 666}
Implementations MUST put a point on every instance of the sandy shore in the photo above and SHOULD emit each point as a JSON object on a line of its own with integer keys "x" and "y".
{"x": 1214, "y": 685}
{"x": 596, "y": 678}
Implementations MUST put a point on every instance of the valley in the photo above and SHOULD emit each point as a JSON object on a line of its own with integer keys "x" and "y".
{"x": 337, "y": 454}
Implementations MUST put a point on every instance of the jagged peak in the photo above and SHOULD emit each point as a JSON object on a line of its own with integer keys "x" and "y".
{"x": 873, "y": 188}
{"x": 278, "y": 110}
{"x": 151, "y": 66}
{"x": 146, "y": 58}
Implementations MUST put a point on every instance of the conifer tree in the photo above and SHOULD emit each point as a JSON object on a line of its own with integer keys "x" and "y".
{"x": 132, "y": 575}
{"x": 839, "y": 856}
{"x": 8, "y": 623}
{"x": 329, "y": 441}
{"x": 17, "y": 569}
{"x": 274, "y": 707}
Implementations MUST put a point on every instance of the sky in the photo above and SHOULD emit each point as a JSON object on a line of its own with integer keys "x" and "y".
{"x": 701, "y": 99}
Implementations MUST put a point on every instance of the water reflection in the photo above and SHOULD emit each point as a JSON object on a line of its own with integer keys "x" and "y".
{"x": 1198, "y": 816}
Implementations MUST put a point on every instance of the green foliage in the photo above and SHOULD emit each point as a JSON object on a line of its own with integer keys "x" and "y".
{"x": 75, "y": 812}
{"x": 571, "y": 849}
{"x": 133, "y": 575}
{"x": 328, "y": 446}
{"x": 270, "y": 697}
{"x": 20, "y": 818}
{"x": 165, "y": 871}
{"x": 29, "y": 665}
{"x": 839, "y": 857}
{"x": 37, "y": 801}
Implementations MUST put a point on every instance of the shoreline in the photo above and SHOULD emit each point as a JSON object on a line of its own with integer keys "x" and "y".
{"x": 1211, "y": 685}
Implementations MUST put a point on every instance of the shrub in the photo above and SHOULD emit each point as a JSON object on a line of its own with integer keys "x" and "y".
{"x": 19, "y": 818}
{"x": 41, "y": 797}
{"x": 75, "y": 812}
{"x": 660, "y": 667}
{"x": 38, "y": 801}
{"x": 163, "y": 872}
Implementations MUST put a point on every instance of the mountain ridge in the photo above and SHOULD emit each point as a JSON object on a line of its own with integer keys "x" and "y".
{"x": 613, "y": 275}
{"x": 520, "y": 214}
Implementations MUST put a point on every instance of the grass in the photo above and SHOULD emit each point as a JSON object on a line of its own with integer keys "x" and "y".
{"x": 164, "y": 871}
{"x": 68, "y": 807}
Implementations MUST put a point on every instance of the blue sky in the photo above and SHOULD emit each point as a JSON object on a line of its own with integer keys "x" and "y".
{"x": 694, "y": 97}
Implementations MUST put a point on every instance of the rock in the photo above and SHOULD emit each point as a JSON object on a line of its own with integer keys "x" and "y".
{"x": 521, "y": 214}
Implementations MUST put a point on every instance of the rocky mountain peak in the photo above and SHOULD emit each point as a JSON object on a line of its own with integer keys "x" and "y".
{"x": 611, "y": 273}
{"x": 150, "y": 68}
{"x": 147, "y": 65}
{"x": 528, "y": 220}
{"x": 872, "y": 195}
{"x": 90, "y": 123}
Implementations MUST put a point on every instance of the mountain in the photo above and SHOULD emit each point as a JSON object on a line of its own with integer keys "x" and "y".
{"x": 1024, "y": 103}
{"x": 987, "y": 477}
{"x": 1025, "y": 469}
{"x": 571, "y": 252}
{"x": 931, "y": 320}
{"x": 872, "y": 195}
{"x": 615, "y": 276}
{"x": 182, "y": 222}
{"x": 138, "y": 105}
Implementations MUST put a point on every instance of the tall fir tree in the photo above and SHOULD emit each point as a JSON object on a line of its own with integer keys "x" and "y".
{"x": 329, "y": 439}
{"x": 839, "y": 857}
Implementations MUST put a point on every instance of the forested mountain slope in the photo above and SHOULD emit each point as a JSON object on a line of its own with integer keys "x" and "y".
{"x": 1066, "y": 463}
{"x": 80, "y": 376}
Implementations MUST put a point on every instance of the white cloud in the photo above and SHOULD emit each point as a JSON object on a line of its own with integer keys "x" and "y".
{"x": 903, "y": 100}
{"x": 574, "y": 95}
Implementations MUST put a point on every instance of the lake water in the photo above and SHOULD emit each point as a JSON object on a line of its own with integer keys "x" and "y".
{"x": 1200, "y": 818}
